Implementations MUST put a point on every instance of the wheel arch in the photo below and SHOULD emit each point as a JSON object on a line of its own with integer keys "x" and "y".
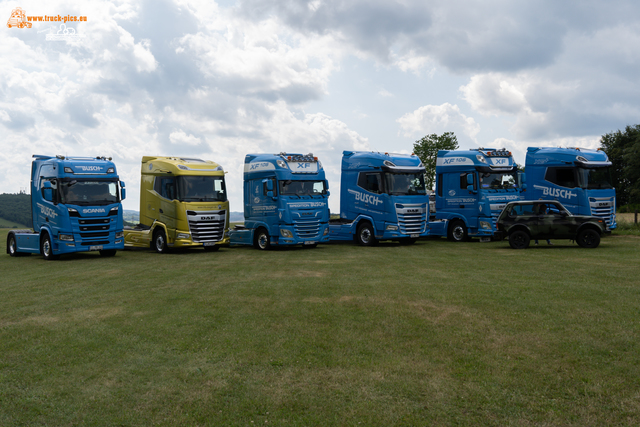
{"x": 361, "y": 219}
{"x": 518, "y": 227}
{"x": 590, "y": 226}
{"x": 453, "y": 219}
{"x": 44, "y": 229}
{"x": 152, "y": 232}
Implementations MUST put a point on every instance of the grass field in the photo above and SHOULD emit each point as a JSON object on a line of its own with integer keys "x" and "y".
{"x": 436, "y": 333}
{"x": 5, "y": 223}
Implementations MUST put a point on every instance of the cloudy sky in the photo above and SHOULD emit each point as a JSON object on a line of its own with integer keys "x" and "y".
{"x": 220, "y": 80}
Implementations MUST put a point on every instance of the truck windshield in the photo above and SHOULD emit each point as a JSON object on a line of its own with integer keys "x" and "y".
{"x": 595, "y": 178}
{"x": 498, "y": 181}
{"x": 88, "y": 192}
{"x": 405, "y": 184}
{"x": 201, "y": 189}
{"x": 302, "y": 188}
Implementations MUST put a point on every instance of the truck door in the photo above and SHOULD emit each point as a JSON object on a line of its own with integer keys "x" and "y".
{"x": 459, "y": 199}
{"x": 373, "y": 202}
{"x": 46, "y": 211}
{"x": 263, "y": 206}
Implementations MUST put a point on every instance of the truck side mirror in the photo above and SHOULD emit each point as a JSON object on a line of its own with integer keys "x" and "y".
{"x": 469, "y": 180}
{"x": 523, "y": 178}
{"x": 47, "y": 192}
{"x": 269, "y": 193}
{"x": 327, "y": 184}
{"x": 269, "y": 186}
{"x": 123, "y": 191}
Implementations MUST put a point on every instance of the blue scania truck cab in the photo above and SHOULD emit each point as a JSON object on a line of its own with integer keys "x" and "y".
{"x": 285, "y": 201}
{"x": 75, "y": 207}
{"x": 472, "y": 188}
{"x": 382, "y": 197}
{"x": 577, "y": 177}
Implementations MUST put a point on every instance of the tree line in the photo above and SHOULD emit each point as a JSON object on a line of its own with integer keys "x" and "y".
{"x": 623, "y": 149}
{"x": 16, "y": 208}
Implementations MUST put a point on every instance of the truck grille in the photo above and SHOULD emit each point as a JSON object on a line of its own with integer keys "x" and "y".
{"x": 603, "y": 207}
{"x": 92, "y": 230}
{"x": 207, "y": 226}
{"x": 412, "y": 219}
{"x": 307, "y": 228}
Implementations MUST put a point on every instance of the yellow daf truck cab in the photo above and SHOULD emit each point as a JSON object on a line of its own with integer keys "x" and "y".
{"x": 183, "y": 203}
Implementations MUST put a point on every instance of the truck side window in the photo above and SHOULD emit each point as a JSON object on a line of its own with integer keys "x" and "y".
{"x": 439, "y": 185}
{"x": 371, "y": 182}
{"x": 54, "y": 187}
{"x": 275, "y": 188}
{"x": 564, "y": 177}
{"x": 463, "y": 181}
{"x": 166, "y": 187}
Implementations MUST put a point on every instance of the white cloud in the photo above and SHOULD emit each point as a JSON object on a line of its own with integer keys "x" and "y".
{"x": 439, "y": 119}
{"x": 181, "y": 138}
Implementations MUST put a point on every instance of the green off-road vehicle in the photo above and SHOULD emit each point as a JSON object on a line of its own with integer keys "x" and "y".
{"x": 547, "y": 219}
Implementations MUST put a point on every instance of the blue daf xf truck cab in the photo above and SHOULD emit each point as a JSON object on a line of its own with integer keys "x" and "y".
{"x": 472, "y": 188}
{"x": 577, "y": 177}
{"x": 285, "y": 201}
{"x": 75, "y": 207}
{"x": 382, "y": 197}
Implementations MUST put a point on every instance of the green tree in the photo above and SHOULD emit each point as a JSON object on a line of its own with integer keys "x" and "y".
{"x": 427, "y": 149}
{"x": 623, "y": 149}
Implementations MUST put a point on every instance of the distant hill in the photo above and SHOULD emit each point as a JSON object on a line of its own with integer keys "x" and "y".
{"x": 16, "y": 209}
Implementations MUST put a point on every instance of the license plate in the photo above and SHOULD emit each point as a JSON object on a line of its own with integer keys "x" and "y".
{"x": 209, "y": 243}
{"x": 95, "y": 248}
{"x": 310, "y": 243}
{"x": 415, "y": 236}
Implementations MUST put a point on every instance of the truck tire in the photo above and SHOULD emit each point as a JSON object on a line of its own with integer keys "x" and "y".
{"x": 160, "y": 241}
{"x": 365, "y": 235}
{"x": 46, "y": 248}
{"x": 108, "y": 253}
{"x": 588, "y": 238}
{"x": 262, "y": 241}
{"x": 519, "y": 239}
{"x": 12, "y": 246}
{"x": 458, "y": 232}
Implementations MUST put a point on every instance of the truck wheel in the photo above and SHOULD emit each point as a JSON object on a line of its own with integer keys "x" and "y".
{"x": 211, "y": 248}
{"x": 12, "y": 247}
{"x": 588, "y": 238}
{"x": 262, "y": 240}
{"x": 519, "y": 239}
{"x": 160, "y": 241}
{"x": 46, "y": 248}
{"x": 108, "y": 253}
{"x": 458, "y": 232}
{"x": 365, "y": 236}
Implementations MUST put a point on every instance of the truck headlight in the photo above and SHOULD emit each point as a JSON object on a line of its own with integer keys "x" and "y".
{"x": 119, "y": 234}
{"x": 392, "y": 227}
{"x": 182, "y": 236}
{"x": 485, "y": 225}
{"x": 66, "y": 237}
{"x": 286, "y": 233}
{"x": 326, "y": 231}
